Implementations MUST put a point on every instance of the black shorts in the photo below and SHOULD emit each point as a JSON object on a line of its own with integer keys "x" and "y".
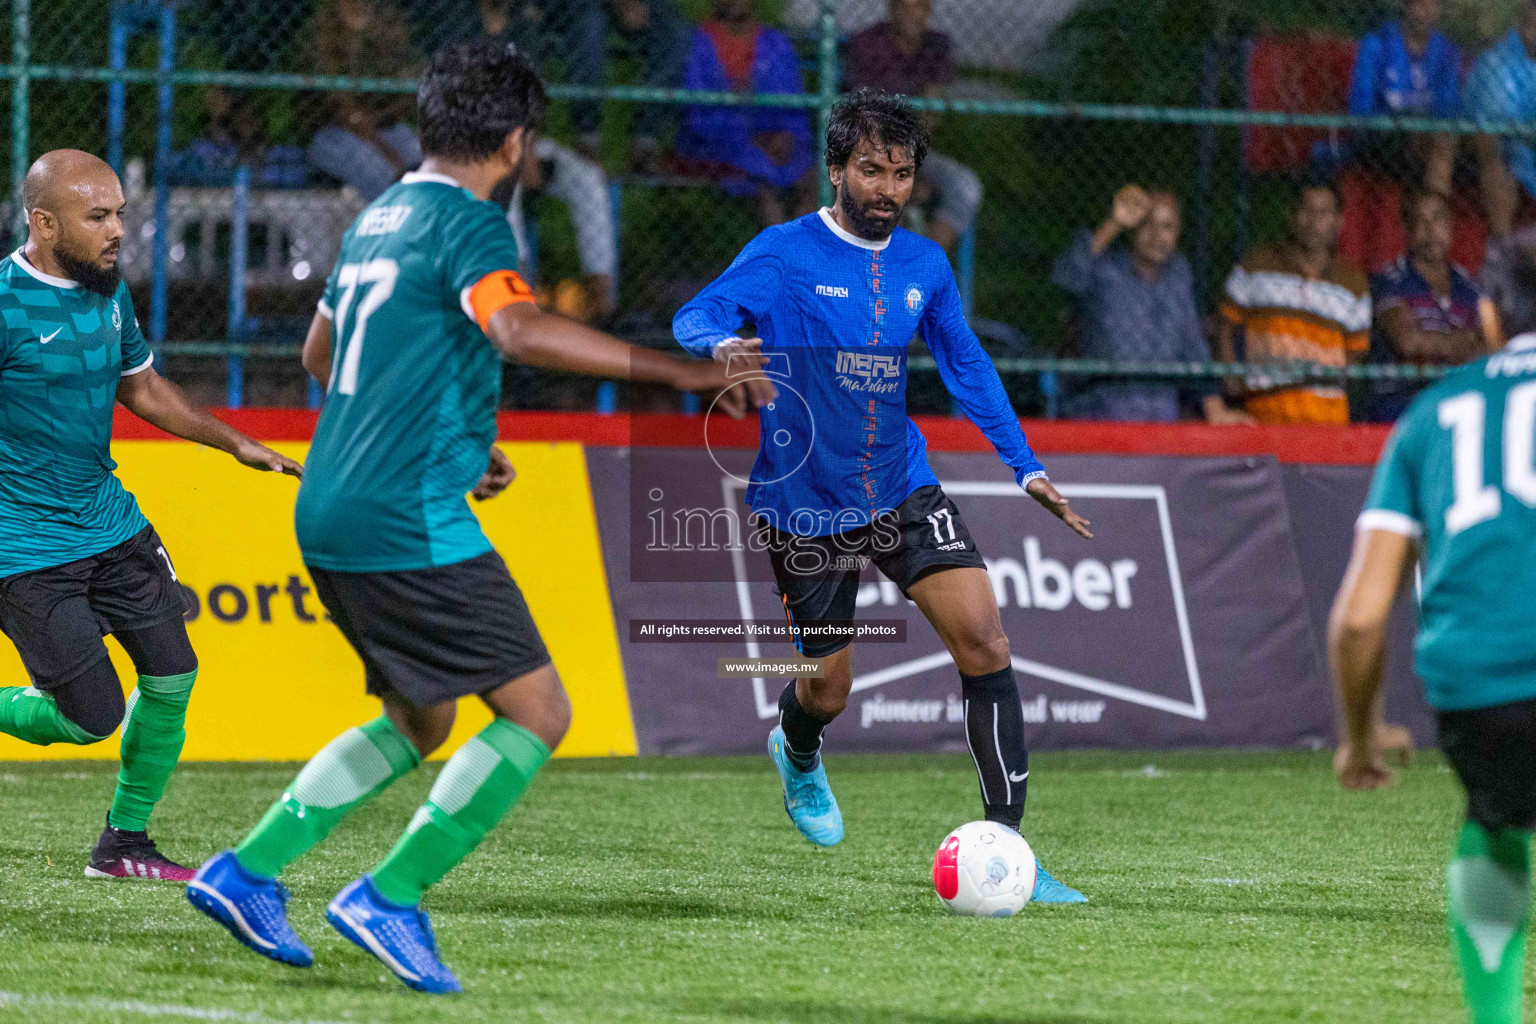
{"x": 429, "y": 636}
{"x": 818, "y": 577}
{"x": 1493, "y": 751}
{"x": 57, "y": 616}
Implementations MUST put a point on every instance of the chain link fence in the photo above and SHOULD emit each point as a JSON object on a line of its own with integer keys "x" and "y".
{"x": 249, "y": 135}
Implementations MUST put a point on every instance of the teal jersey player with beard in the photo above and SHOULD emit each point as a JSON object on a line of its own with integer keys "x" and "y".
{"x": 77, "y": 557}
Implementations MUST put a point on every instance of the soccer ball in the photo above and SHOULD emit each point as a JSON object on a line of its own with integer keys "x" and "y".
{"x": 983, "y": 869}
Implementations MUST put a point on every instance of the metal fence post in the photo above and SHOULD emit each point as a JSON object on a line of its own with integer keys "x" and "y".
{"x": 828, "y": 94}
{"x": 117, "y": 89}
{"x": 239, "y": 238}
{"x": 166, "y": 64}
{"x": 21, "y": 87}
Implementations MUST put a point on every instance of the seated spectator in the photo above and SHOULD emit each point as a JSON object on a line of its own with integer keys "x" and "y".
{"x": 1502, "y": 87}
{"x": 1408, "y": 67}
{"x": 658, "y": 37}
{"x": 1498, "y": 277}
{"x": 902, "y": 55}
{"x": 580, "y": 184}
{"x": 1138, "y": 304}
{"x": 1428, "y": 309}
{"x": 1298, "y": 302}
{"x": 560, "y": 173}
{"x": 365, "y": 142}
{"x": 770, "y": 147}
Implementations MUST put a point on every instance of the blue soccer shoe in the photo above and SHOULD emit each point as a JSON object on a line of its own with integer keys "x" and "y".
{"x": 252, "y": 908}
{"x": 401, "y": 937}
{"x": 807, "y": 797}
{"x": 1048, "y": 890}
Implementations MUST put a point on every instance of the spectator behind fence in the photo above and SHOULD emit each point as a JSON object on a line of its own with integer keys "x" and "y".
{"x": 1408, "y": 67}
{"x": 366, "y": 142}
{"x": 1298, "y": 302}
{"x": 560, "y": 173}
{"x": 902, "y": 55}
{"x": 1138, "y": 304}
{"x": 770, "y": 146}
{"x": 1428, "y": 309}
{"x": 658, "y": 37}
{"x": 1502, "y": 87}
{"x": 1499, "y": 278}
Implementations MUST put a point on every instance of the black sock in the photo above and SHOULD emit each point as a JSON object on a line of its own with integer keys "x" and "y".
{"x": 994, "y": 729}
{"x": 802, "y": 731}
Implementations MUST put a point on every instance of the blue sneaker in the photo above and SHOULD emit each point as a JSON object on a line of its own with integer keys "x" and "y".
{"x": 401, "y": 937}
{"x": 1048, "y": 890}
{"x": 807, "y": 797}
{"x": 253, "y": 908}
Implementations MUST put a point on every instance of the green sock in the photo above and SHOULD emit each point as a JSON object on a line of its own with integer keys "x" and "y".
{"x": 30, "y": 714}
{"x": 478, "y": 785}
{"x": 353, "y": 768}
{"x": 1490, "y": 881}
{"x": 154, "y": 728}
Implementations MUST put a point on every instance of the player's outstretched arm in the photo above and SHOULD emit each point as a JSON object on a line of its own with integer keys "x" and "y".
{"x": 523, "y": 332}
{"x": 1357, "y": 646}
{"x": 156, "y": 400}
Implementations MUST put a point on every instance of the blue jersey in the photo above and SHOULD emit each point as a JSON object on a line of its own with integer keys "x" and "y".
{"x": 836, "y": 313}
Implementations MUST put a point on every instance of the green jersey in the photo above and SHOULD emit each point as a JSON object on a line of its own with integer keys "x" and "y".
{"x": 410, "y": 414}
{"x": 62, "y": 354}
{"x": 1459, "y": 475}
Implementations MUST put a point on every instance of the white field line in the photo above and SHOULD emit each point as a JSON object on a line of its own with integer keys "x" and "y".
{"x": 135, "y": 1006}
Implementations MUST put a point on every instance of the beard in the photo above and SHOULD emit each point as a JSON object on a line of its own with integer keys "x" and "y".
{"x": 82, "y": 269}
{"x": 864, "y": 225}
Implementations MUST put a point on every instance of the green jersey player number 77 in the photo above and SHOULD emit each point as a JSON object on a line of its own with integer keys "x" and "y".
{"x": 421, "y": 307}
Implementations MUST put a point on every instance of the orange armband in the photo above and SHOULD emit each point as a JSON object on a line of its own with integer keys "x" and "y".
{"x": 492, "y": 292}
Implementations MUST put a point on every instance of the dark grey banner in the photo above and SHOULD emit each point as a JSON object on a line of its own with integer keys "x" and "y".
{"x": 1194, "y": 618}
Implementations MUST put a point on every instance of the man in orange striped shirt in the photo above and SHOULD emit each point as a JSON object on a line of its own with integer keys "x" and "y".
{"x": 1298, "y": 302}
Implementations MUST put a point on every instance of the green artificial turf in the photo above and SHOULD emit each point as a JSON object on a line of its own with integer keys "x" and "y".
{"x": 1225, "y": 887}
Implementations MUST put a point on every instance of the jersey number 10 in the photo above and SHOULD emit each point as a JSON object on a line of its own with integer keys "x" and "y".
{"x": 1466, "y": 416}
{"x": 379, "y": 277}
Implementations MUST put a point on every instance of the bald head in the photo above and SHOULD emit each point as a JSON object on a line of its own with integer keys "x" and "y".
{"x": 74, "y": 206}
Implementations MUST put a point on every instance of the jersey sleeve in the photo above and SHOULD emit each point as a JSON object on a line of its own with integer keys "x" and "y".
{"x": 480, "y": 263}
{"x": 1393, "y": 503}
{"x": 968, "y": 373}
{"x": 743, "y": 294}
{"x": 136, "y": 355}
{"x": 326, "y": 307}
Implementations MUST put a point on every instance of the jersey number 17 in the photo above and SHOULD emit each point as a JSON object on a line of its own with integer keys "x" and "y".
{"x": 378, "y": 278}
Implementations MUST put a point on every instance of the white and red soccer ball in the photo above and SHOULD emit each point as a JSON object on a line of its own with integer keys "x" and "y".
{"x": 983, "y": 869}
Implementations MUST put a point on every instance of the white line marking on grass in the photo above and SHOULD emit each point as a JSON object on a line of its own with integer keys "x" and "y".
{"x": 150, "y": 1009}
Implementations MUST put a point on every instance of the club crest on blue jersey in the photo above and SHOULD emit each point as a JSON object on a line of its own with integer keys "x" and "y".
{"x": 117, "y": 316}
{"x": 913, "y": 297}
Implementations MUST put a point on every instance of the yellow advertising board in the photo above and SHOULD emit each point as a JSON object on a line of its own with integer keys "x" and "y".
{"x": 276, "y": 680}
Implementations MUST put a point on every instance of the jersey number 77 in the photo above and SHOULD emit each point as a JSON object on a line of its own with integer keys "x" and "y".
{"x": 378, "y": 278}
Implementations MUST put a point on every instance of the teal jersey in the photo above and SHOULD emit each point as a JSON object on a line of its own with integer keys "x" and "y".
{"x": 1459, "y": 475}
{"x": 62, "y": 354}
{"x": 410, "y": 413}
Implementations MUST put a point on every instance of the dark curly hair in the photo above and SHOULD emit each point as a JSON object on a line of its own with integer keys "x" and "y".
{"x": 887, "y": 121}
{"x": 472, "y": 95}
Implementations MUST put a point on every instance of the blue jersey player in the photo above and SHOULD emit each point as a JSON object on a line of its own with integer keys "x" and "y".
{"x": 1455, "y": 491}
{"x": 842, "y": 473}
{"x": 423, "y": 304}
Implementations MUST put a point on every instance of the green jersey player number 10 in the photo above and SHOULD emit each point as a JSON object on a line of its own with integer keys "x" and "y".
{"x": 379, "y": 277}
{"x": 1465, "y": 415}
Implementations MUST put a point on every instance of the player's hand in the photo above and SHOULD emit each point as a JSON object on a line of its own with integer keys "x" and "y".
{"x": 1360, "y": 769}
{"x": 498, "y": 476}
{"x": 1042, "y": 491}
{"x": 259, "y": 456}
{"x": 743, "y": 360}
{"x": 1132, "y": 204}
{"x": 1396, "y": 741}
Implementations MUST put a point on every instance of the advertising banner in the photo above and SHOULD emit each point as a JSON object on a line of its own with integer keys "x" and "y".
{"x": 276, "y": 680}
{"x": 1193, "y": 619}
